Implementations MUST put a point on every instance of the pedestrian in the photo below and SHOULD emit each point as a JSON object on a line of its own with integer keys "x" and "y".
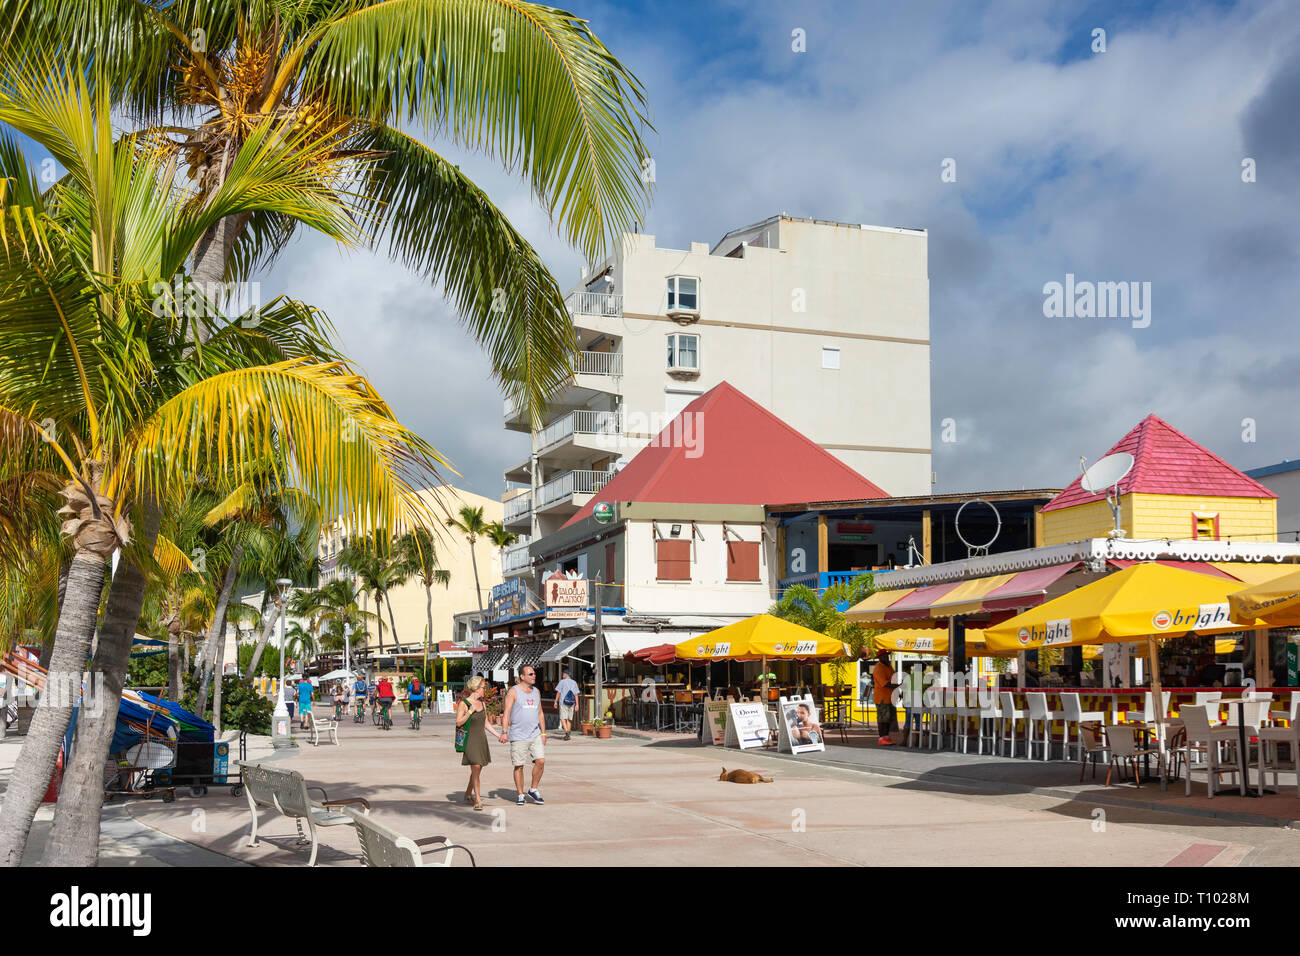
{"x": 305, "y": 691}
{"x": 471, "y": 716}
{"x": 566, "y": 699}
{"x": 522, "y": 726}
{"x": 882, "y": 677}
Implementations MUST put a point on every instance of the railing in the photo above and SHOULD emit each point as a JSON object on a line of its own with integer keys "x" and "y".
{"x": 599, "y": 363}
{"x": 819, "y": 581}
{"x": 516, "y": 557}
{"x": 594, "y": 303}
{"x": 579, "y": 423}
{"x": 583, "y": 482}
{"x": 519, "y": 506}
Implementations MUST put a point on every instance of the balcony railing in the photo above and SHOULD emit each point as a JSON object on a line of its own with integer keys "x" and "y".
{"x": 519, "y": 506}
{"x": 579, "y": 423}
{"x": 516, "y": 558}
{"x": 599, "y": 363}
{"x": 594, "y": 303}
{"x": 570, "y": 483}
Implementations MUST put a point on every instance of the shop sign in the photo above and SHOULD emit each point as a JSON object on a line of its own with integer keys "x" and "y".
{"x": 746, "y": 725}
{"x": 603, "y": 512}
{"x": 566, "y": 598}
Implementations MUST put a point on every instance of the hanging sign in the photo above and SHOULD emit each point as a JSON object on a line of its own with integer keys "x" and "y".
{"x": 566, "y": 598}
{"x": 800, "y": 726}
{"x": 746, "y": 725}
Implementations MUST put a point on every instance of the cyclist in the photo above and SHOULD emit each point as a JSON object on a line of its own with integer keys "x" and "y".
{"x": 360, "y": 691}
{"x": 384, "y": 693}
{"x": 414, "y": 700}
{"x": 339, "y": 701}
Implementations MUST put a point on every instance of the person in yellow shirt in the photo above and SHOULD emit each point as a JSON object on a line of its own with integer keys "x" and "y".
{"x": 882, "y": 695}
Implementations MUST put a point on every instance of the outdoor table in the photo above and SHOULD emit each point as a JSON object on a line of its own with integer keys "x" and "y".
{"x": 1146, "y": 728}
{"x": 1240, "y": 703}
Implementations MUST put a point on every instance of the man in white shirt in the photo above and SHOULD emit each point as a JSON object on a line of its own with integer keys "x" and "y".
{"x": 567, "y": 694}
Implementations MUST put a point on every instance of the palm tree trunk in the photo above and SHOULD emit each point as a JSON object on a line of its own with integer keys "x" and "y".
{"x": 428, "y": 610}
{"x": 389, "y": 602}
{"x": 210, "y": 257}
{"x": 380, "y": 618}
{"x": 210, "y": 659}
{"x": 478, "y": 592}
{"x": 74, "y": 838}
{"x": 173, "y": 663}
{"x": 268, "y": 625}
{"x": 40, "y": 752}
{"x": 218, "y": 681}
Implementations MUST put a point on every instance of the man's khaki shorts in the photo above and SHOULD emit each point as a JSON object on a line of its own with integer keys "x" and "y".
{"x": 566, "y": 711}
{"x": 522, "y": 751}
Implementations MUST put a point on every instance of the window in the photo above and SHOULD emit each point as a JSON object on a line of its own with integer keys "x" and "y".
{"x": 674, "y": 560}
{"x": 683, "y": 294}
{"x": 742, "y": 561}
{"x": 830, "y": 357}
{"x": 684, "y": 352}
{"x": 1205, "y": 526}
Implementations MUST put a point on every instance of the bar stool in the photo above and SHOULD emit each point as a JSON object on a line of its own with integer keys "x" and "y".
{"x": 968, "y": 710}
{"x": 1073, "y": 713}
{"x": 990, "y": 714}
{"x": 1009, "y": 717}
{"x": 1039, "y": 714}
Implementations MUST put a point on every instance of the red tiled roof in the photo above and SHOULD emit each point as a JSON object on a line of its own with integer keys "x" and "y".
{"x": 1167, "y": 462}
{"x": 740, "y": 453}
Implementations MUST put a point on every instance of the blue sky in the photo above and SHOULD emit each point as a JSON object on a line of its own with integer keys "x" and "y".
{"x": 1121, "y": 166}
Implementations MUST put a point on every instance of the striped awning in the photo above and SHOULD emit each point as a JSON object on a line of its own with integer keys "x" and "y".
{"x": 1027, "y": 588}
{"x": 936, "y": 603}
{"x": 872, "y": 608}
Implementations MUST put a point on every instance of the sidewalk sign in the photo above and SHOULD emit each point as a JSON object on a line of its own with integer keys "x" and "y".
{"x": 716, "y": 711}
{"x": 445, "y": 705}
{"x": 746, "y": 725}
{"x": 799, "y": 726}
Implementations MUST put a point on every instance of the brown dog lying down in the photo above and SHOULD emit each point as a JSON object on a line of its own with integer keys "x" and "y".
{"x": 743, "y": 776}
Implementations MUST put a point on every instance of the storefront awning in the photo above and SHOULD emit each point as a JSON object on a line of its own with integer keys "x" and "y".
{"x": 1026, "y": 589}
{"x": 872, "y": 608}
{"x": 561, "y": 649}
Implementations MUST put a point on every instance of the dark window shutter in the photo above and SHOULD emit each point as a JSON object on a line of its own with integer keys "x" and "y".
{"x": 674, "y": 558}
{"x": 742, "y": 560}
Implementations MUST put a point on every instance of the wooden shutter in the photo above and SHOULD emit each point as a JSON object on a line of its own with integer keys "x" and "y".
{"x": 610, "y": 567}
{"x": 674, "y": 558}
{"x": 742, "y": 561}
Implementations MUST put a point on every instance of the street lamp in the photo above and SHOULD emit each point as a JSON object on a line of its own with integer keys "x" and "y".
{"x": 280, "y": 720}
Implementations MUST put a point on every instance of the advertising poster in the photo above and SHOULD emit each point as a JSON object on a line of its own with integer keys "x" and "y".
{"x": 717, "y": 718}
{"x": 746, "y": 725}
{"x": 801, "y": 729}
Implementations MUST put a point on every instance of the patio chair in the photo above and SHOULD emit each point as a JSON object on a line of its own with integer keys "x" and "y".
{"x": 990, "y": 716}
{"x": 947, "y": 712}
{"x": 1209, "y": 741}
{"x": 1148, "y": 713}
{"x": 1122, "y": 739}
{"x": 1270, "y": 741}
{"x": 1210, "y": 701}
{"x": 1092, "y": 744}
{"x": 1073, "y": 713}
{"x": 1009, "y": 717}
{"x": 1041, "y": 717}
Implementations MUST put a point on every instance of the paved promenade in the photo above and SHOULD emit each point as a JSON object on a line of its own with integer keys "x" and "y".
{"x": 657, "y": 802}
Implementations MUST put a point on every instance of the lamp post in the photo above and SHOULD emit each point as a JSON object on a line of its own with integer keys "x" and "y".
{"x": 280, "y": 719}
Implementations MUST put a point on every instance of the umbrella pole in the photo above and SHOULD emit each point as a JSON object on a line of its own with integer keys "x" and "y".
{"x": 764, "y": 685}
{"x": 1157, "y": 702}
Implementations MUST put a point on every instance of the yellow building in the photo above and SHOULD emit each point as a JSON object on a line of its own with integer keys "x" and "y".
{"x": 409, "y": 612}
{"x": 1176, "y": 489}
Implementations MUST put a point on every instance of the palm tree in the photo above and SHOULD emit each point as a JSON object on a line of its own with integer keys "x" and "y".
{"x": 528, "y": 85}
{"x": 472, "y": 526}
{"x": 420, "y": 556}
{"x": 824, "y": 613}
{"x": 362, "y": 558}
{"x": 132, "y": 410}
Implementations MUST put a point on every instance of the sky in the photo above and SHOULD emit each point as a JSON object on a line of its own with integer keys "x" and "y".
{"x": 1117, "y": 166}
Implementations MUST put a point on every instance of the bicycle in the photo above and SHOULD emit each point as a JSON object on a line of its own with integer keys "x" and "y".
{"x": 385, "y": 719}
{"x": 360, "y": 716}
{"x": 374, "y": 712}
{"x": 415, "y": 715}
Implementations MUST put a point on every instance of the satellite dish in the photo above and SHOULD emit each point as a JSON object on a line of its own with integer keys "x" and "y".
{"x": 1106, "y": 473}
{"x": 1103, "y": 478}
{"x": 621, "y": 463}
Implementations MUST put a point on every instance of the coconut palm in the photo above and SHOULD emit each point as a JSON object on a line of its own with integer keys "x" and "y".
{"x": 824, "y": 613}
{"x": 420, "y": 556}
{"x": 132, "y": 410}
{"x": 528, "y": 85}
{"x": 470, "y": 523}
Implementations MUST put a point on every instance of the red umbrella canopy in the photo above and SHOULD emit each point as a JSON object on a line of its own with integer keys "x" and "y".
{"x": 654, "y": 656}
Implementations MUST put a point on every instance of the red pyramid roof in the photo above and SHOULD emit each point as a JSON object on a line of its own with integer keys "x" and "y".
{"x": 1167, "y": 462}
{"x": 739, "y": 453}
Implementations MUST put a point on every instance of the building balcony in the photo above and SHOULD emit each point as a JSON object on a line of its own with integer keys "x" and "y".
{"x": 519, "y": 511}
{"x": 568, "y": 428}
{"x": 595, "y": 304}
{"x": 594, "y": 374}
{"x": 516, "y": 559}
{"x": 570, "y": 490}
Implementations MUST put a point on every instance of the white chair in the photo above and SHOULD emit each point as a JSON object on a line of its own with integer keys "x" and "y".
{"x": 1009, "y": 717}
{"x": 1280, "y": 714}
{"x": 1255, "y": 712}
{"x": 1040, "y": 716}
{"x": 1092, "y": 742}
{"x": 990, "y": 716}
{"x": 1149, "y": 714}
{"x": 1122, "y": 740}
{"x": 1269, "y": 751}
{"x": 947, "y": 711}
{"x": 932, "y": 702}
{"x": 1210, "y": 740}
{"x": 921, "y": 715}
{"x": 1210, "y": 701}
{"x": 968, "y": 711}
{"x": 1073, "y": 713}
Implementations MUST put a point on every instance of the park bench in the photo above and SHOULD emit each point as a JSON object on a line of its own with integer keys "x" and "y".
{"x": 320, "y": 728}
{"x": 384, "y": 847}
{"x": 270, "y": 788}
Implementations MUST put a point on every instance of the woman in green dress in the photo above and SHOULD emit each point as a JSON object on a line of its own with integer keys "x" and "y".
{"x": 472, "y": 715}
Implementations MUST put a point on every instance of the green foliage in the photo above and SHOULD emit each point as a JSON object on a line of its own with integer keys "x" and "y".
{"x": 150, "y": 671}
{"x": 267, "y": 666}
{"x": 819, "y": 612}
{"x": 241, "y": 707}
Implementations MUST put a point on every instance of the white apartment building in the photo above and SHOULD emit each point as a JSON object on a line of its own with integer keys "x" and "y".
{"x": 825, "y": 324}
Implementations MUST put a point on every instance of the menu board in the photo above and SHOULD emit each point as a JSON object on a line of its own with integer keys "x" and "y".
{"x": 445, "y": 706}
{"x": 800, "y": 725}
{"x": 716, "y": 714}
{"x": 746, "y": 725}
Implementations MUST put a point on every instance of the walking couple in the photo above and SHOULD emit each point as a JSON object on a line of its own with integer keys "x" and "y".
{"x": 522, "y": 725}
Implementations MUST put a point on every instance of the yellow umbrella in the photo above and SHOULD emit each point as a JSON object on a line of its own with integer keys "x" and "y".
{"x": 761, "y": 636}
{"x": 932, "y": 640}
{"x": 1275, "y": 603}
{"x": 1140, "y": 601}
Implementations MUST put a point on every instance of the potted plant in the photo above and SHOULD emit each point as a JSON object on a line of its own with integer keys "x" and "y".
{"x": 602, "y": 730}
{"x": 586, "y": 728}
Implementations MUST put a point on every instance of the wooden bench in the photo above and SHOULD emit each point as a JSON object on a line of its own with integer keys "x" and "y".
{"x": 320, "y": 728}
{"x": 271, "y": 788}
{"x": 384, "y": 847}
